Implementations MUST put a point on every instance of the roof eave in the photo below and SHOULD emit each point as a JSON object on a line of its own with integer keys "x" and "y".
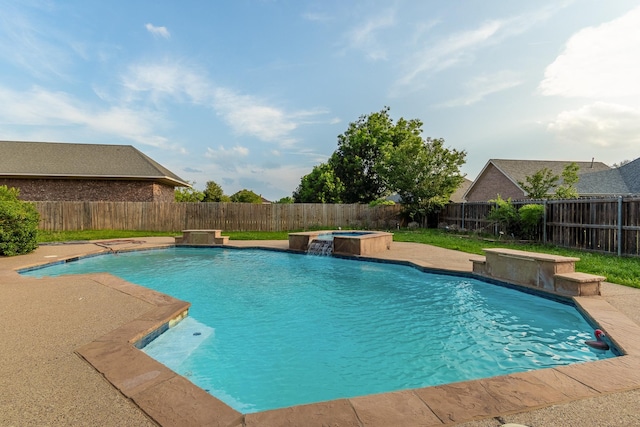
{"x": 163, "y": 179}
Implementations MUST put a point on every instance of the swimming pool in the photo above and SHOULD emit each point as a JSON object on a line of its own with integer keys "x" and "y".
{"x": 283, "y": 329}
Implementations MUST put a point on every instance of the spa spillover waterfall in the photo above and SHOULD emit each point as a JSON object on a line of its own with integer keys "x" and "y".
{"x": 323, "y": 247}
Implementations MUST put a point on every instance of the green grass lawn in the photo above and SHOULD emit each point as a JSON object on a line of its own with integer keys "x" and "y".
{"x": 621, "y": 270}
{"x": 67, "y": 236}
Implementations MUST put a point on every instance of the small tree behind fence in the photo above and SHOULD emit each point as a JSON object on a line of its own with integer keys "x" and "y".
{"x": 152, "y": 216}
{"x": 609, "y": 225}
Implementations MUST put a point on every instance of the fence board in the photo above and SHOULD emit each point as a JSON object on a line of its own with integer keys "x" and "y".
{"x": 150, "y": 216}
{"x": 589, "y": 224}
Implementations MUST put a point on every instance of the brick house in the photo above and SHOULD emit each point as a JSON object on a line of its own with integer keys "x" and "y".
{"x": 502, "y": 176}
{"x": 45, "y": 171}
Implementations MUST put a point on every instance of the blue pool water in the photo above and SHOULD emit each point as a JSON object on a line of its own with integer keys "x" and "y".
{"x": 270, "y": 329}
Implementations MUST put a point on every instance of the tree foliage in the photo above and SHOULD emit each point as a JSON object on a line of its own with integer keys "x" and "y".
{"x": 567, "y": 189}
{"x": 213, "y": 192}
{"x": 376, "y": 157}
{"x": 18, "y": 223}
{"x": 188, "y": 194}
{"x": 540, "y": 184}
{"x": 621, "y": 163}
{"x": 361, "y": 147}
{"x": 423, "y": 173}
{"x": 246, "y": 196}
{"x": 320, "y": 186}
{"x": 285, "y": 200}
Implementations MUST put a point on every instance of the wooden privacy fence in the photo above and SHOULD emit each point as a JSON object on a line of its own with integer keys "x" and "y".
{"x": 610, "y": 225}
{"x": 151, "y": 216}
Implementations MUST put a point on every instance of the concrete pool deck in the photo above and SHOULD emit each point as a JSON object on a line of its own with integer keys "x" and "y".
{"x": 50, "y": 325}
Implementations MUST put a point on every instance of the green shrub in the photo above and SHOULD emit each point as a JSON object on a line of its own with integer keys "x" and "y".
{"x": 505, "y": 214}
{"x": 18, "y": 224}
{"x": 523, "y": 223}
{"x": 530, "y": 220}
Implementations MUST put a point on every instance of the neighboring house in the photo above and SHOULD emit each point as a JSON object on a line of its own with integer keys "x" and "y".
{"x": 84, "y": 172}
{"x": 621, "y": 181}
{"x": 501, "y": 177}
{"x": 458, "y": 195}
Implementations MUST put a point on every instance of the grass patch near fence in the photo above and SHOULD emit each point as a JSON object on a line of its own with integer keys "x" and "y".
{"x": 621, "y": 270}
{"x": 257, "y": 235}
{"x": 82, "y": 235}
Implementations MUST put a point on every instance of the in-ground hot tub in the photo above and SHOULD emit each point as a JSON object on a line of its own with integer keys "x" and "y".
{"x": 344, "y": 242}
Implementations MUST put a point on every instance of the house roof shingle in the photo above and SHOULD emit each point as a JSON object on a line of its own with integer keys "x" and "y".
{"x": 22, "y": 159}
{"x": 619, "y": 181}
{"x": 519, "y": 170}
{"x": 631, "y": 175}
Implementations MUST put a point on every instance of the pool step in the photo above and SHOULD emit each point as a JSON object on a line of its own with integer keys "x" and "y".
{"x": 549, "y": 273}
{"x": 202, "y": 238}
{"x": 578, "y": 284}
{"x": 174, "y": 346}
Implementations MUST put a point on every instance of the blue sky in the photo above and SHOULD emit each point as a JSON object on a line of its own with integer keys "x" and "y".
{"x": 253, "y": 93}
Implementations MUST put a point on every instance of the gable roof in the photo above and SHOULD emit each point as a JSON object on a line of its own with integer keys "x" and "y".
{"x": 22, "y": 159}
{"x": 518, "y": 170}
{"x": 458, "y": 195}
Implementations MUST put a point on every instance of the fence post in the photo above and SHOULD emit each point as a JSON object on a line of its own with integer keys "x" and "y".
{"x": 544, "y": 222}
{"x": 619, "y": 225}
{"x": 462, "y": 226}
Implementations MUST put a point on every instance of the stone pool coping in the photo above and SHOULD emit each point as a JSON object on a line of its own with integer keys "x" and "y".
{"x": 170, "y": 399}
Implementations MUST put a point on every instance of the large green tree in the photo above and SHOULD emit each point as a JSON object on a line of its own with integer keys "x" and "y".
{"x": 376, "y": 157}
{"x": 213, "y": 193}
{"x": 424, "y": 173}
{"x": 357, "y": 160}
{"x": 319, "y": 186}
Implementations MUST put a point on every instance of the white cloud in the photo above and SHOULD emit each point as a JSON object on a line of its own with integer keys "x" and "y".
{"x": 249, "y": 116}
{"x": 597, "y": 62}
{"x": 480, "y": 87}
{"x": 41, "y": 50}
{"x": 317, "y": 16}
{"x": 221, "y": 152}
{"x": 364, "y": 36}
{"x": 462, "y": 47}
{"x": 232, "y": 159}
{"x": 42, "y": 108}
{"x": 158, "y": 31}
{"x": 457, "y": 48}
{"x": 599, "y": 124}
{"x": 167, "y": 79}
{"x": 245, "y": 114}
